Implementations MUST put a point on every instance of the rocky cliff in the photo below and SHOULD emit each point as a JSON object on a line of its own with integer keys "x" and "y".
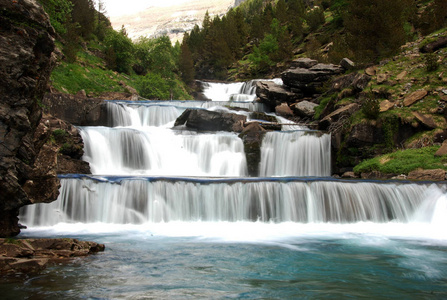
{"x": 26, "y": 46}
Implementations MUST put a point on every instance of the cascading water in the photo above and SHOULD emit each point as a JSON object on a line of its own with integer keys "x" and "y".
{"x": 180, "y": 219}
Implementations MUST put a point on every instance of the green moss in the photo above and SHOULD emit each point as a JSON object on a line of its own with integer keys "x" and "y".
{"x": 404, "y": 161}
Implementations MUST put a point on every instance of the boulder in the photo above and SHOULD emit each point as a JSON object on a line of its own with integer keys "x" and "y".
{"x": 273, "y": 94}
{"x": 347, "y": 64}
{"x": 402, "y": 75}
{"x": 432, "y": 175}
{"x": 284, "y": 110}
{"x": 443, "y": 150}
{"x": 303, "y": 62}
{"x": 26, "y": 62}
{"x": 426, "y": 120}
{"x": 414, "y": 97}
{"x": 346, "y": 110}
{"x": 305, "y": 109}
{"x": 441, "y": 42}
{"x": 371, "y": 71}
{"x": 201, "y": 119}
{"x": 386, "y": 105}
{"x": 358, "y": 82}
{"x": 29, "y": 256}
{"x": 252, "y": 136}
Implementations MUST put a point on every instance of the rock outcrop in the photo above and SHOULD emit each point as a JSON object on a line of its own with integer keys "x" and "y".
{"x": 33, "y": 255}
{"x": 200, "y": 119}
{"x": 26, "y": 46}
{"x": 76, "y": 109}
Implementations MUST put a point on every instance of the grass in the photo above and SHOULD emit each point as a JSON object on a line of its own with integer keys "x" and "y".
{"x": 404, "y": 161}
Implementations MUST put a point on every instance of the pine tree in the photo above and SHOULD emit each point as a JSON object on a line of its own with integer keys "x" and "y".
{"x": 186, "y": 64}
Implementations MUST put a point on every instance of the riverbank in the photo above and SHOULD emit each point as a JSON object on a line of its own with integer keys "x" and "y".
{"x": 29, "y": 256}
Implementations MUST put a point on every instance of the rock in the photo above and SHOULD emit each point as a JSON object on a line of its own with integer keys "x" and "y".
{"x": 414, "y": 97}
{"x": 402, "y": 75}
{"x": 283, "y": 110}
{"x": 386, "y": 105}
{"x": 308, "y": 80}
{"x": 305, "y": 63}
{"x": 76, "y": 110}
{"x": 305, "y": 109}
{"x": 381, "y": 78}
{"x": 426, "y": 120}
{"x": 201, "y": 119}
{"x": 252, "y": 136}
{"x": 432, "y": 175}
{"x": 441, "y": 42}
{"x": 81, "y": 94}
{"x": 346, "y": 110}
{"x": 358, "y": 82}
{"x": 349, "y": 174}
{"x": 273, "y": 94}
{"x": 29, "y": 256}
{"x": 371, "y": 71}
{"x": 26, "y": 62}
{"x": 443, "y": 150}
{"x": 347, "y": 64}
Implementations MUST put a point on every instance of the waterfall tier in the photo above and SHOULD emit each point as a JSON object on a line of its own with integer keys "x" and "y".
{"x": 138, "y": 200}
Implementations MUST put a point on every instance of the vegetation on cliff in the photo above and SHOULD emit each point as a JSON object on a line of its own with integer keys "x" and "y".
{"x": 260, "y": 38}
{"x": 97, "y": 59}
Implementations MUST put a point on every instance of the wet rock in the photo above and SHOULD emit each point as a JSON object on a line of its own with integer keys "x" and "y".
{"x": 432, "y": 175}
{"x": 33, "y": 255}
{"x": 200, "y": 119}
{"x": 414, "y": 97}
{"x": 252, "y": 136}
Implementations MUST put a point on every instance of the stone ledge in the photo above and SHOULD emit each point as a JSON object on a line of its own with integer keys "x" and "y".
{"x": 33, "y": 255}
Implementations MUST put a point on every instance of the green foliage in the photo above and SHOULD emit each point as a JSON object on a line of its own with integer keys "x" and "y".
{"x": 376, "y": 28}
{"x": 186, "y": 64}
{"x": 323, "y": 103}
{"x": 431, "y": 62}
{"x": 59, "y": 135}
{"x": 153, "y": 86}
{"x": 119, "y": 51}
{"x": 59, "y": 12}
{"x": 371, "y": 108}
{"x": 315, "y": 18}
{"x": 402, "y": 162}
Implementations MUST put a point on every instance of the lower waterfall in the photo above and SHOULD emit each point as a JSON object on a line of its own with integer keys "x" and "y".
{"x": 139, "y": 200}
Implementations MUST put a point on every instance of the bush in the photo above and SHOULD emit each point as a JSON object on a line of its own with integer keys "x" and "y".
{"x": 371, "y": 108}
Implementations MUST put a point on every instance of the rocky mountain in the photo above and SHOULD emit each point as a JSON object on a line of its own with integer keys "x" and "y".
{"x": 172, "y": 20}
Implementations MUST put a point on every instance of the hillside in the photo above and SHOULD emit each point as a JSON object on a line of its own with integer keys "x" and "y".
{"x": 262, "y": 39}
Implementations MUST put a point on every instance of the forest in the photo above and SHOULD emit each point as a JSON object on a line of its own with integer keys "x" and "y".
{"x": 256, "y": 39}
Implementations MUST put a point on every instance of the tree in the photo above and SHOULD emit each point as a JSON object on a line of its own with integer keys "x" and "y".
{"x": 119, "y": 50}
{"x": 186, "y": 64}
{"x": 375, "y": 28}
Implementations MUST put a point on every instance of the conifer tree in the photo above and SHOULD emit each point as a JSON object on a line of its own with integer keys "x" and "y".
{"x": 186, "y": 64}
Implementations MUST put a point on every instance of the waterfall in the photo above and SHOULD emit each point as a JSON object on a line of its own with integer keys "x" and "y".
{"x": 200, "y": 176}
{"x": 141, "y": 200}
{"x": 157, "y": 151}
{"x": 297, "y": 153}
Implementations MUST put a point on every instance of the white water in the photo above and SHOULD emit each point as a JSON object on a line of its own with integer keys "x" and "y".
{"x": 238, "y": 91}
{"x": 299, "y": 153}
{"x": 143, "y": 200}
{"x": 158, "y": 151}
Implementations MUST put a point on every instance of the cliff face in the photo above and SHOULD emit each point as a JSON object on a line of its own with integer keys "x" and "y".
{"x": 26, "y": 46}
